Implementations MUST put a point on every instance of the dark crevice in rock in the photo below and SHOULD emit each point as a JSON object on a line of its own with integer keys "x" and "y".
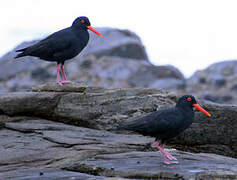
{"x": 26, "y": 131}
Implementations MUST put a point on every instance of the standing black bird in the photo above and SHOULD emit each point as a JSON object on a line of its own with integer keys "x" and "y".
{"x": 62, "y": 45}
{"x": 167, "y": 123}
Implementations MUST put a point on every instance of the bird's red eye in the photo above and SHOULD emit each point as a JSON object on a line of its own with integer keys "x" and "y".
{"x": 82, "y": 21}
{"x": 189, "y": 99}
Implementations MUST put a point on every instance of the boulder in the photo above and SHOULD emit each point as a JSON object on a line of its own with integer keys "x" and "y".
{"x": 216, "y": 83}
{"x": 165, "y": 77}
{"x": 116, "y": 42}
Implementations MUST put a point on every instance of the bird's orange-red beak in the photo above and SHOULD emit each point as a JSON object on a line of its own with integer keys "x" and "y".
{"x": 94, "y": 31}
{"x": 198, "y": 107}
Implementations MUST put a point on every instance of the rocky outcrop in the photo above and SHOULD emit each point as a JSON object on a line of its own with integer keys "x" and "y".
{"x": 116, "y": 60}
{"x": 33, "y": 148}
{"x": 73, "y": 120}
{"x": 91, "y": 107}
{"x": 164, "y": 77}
{"x": 116, "y": 42}
{"x": 100, "y": 108}
{"x": 216, "y": 83}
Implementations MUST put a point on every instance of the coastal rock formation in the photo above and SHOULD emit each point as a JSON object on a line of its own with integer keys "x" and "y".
{"x": 68, "y": 132}
{"x": 216, "y": 83}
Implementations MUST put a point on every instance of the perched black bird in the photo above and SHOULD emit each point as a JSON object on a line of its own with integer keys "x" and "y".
{"x": 61, "y": 45}
{"x": 167, "y": 123}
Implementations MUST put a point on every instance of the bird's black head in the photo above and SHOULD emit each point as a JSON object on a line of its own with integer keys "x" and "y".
{"x": 84, "y": 23}
{"x": 190, "y": 101}
{"x": 186, "y": 100}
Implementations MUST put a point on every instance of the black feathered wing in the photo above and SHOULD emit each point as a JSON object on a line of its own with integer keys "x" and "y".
{"x": 49, "y": 48}
{"x": 155, "y": 124}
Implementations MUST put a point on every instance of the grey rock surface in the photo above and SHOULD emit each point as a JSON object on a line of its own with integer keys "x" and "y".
{"x": 101, "y": 108}
{"x": 40, "y": 149}
{"x": 216, "y": 83}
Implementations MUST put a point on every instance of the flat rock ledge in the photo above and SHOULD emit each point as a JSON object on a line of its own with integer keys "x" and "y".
{"x": 41, "y": 149}
{"x": 67, "y": 132}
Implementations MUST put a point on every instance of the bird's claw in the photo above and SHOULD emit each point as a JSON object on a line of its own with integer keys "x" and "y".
{"x": 66, "y": 82}
{"x": 170, "y": 157}
{"x": 60, "y": 83}
{"x": 170, "y": 162}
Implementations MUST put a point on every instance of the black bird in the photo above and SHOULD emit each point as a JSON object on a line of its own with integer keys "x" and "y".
{"x": 62, "y": 45}
{"x": 167, "y": 123}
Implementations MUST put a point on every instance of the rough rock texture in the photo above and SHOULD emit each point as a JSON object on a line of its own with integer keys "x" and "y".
{"x": 101, "y": 108}
{"x": 94, "y": 107}
{"x": 33, "y": 148}
{"x": 118, "y": 59}
{"x": 217, "y": 83}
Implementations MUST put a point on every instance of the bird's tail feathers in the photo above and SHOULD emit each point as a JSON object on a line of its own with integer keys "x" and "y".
{"x": 20, "y": 50}
{"x": 20, "y": 54}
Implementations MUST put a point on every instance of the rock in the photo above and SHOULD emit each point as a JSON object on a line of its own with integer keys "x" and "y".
{"x": 49, "y": 174}
{"x": 101, "y": 108}
{"x": 126, "y": 165}
{"x": 83, "y": 153}
{"x": 116, "y": 42}
{"x": 156, "y": 77}
{"x": 94, "y": 107}
{"x": 216, "y": 83}
{"x": 53, "y": 87}
{"x": 108, "y": 72}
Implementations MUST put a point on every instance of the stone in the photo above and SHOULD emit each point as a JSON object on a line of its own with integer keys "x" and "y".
{"x": 95, "y": 107}
{"x": 28, "y": 149}
{"x": 101, "y": 108}
{"x": 216, "y": 83}
{"x": 116, "y": 42}
{"x": 149, "y": 76}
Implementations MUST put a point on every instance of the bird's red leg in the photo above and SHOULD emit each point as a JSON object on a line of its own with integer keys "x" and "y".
{"x": 58, "y": 75}
{"x": 64, "y": 75}
{"x": 164, "y": 154}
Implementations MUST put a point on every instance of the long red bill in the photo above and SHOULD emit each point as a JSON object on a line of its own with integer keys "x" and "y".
{"x": 197, "y": 106}
{"x": 95, "y": 31}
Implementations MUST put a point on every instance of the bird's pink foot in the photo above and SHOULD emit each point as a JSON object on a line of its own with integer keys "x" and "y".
{"x": 166, "y": 155}
{"x": 60, "y": 82}
{"x": 169, "y": 156}
{"x": 66, "y": 82}
{"x": 166, "y": 161}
